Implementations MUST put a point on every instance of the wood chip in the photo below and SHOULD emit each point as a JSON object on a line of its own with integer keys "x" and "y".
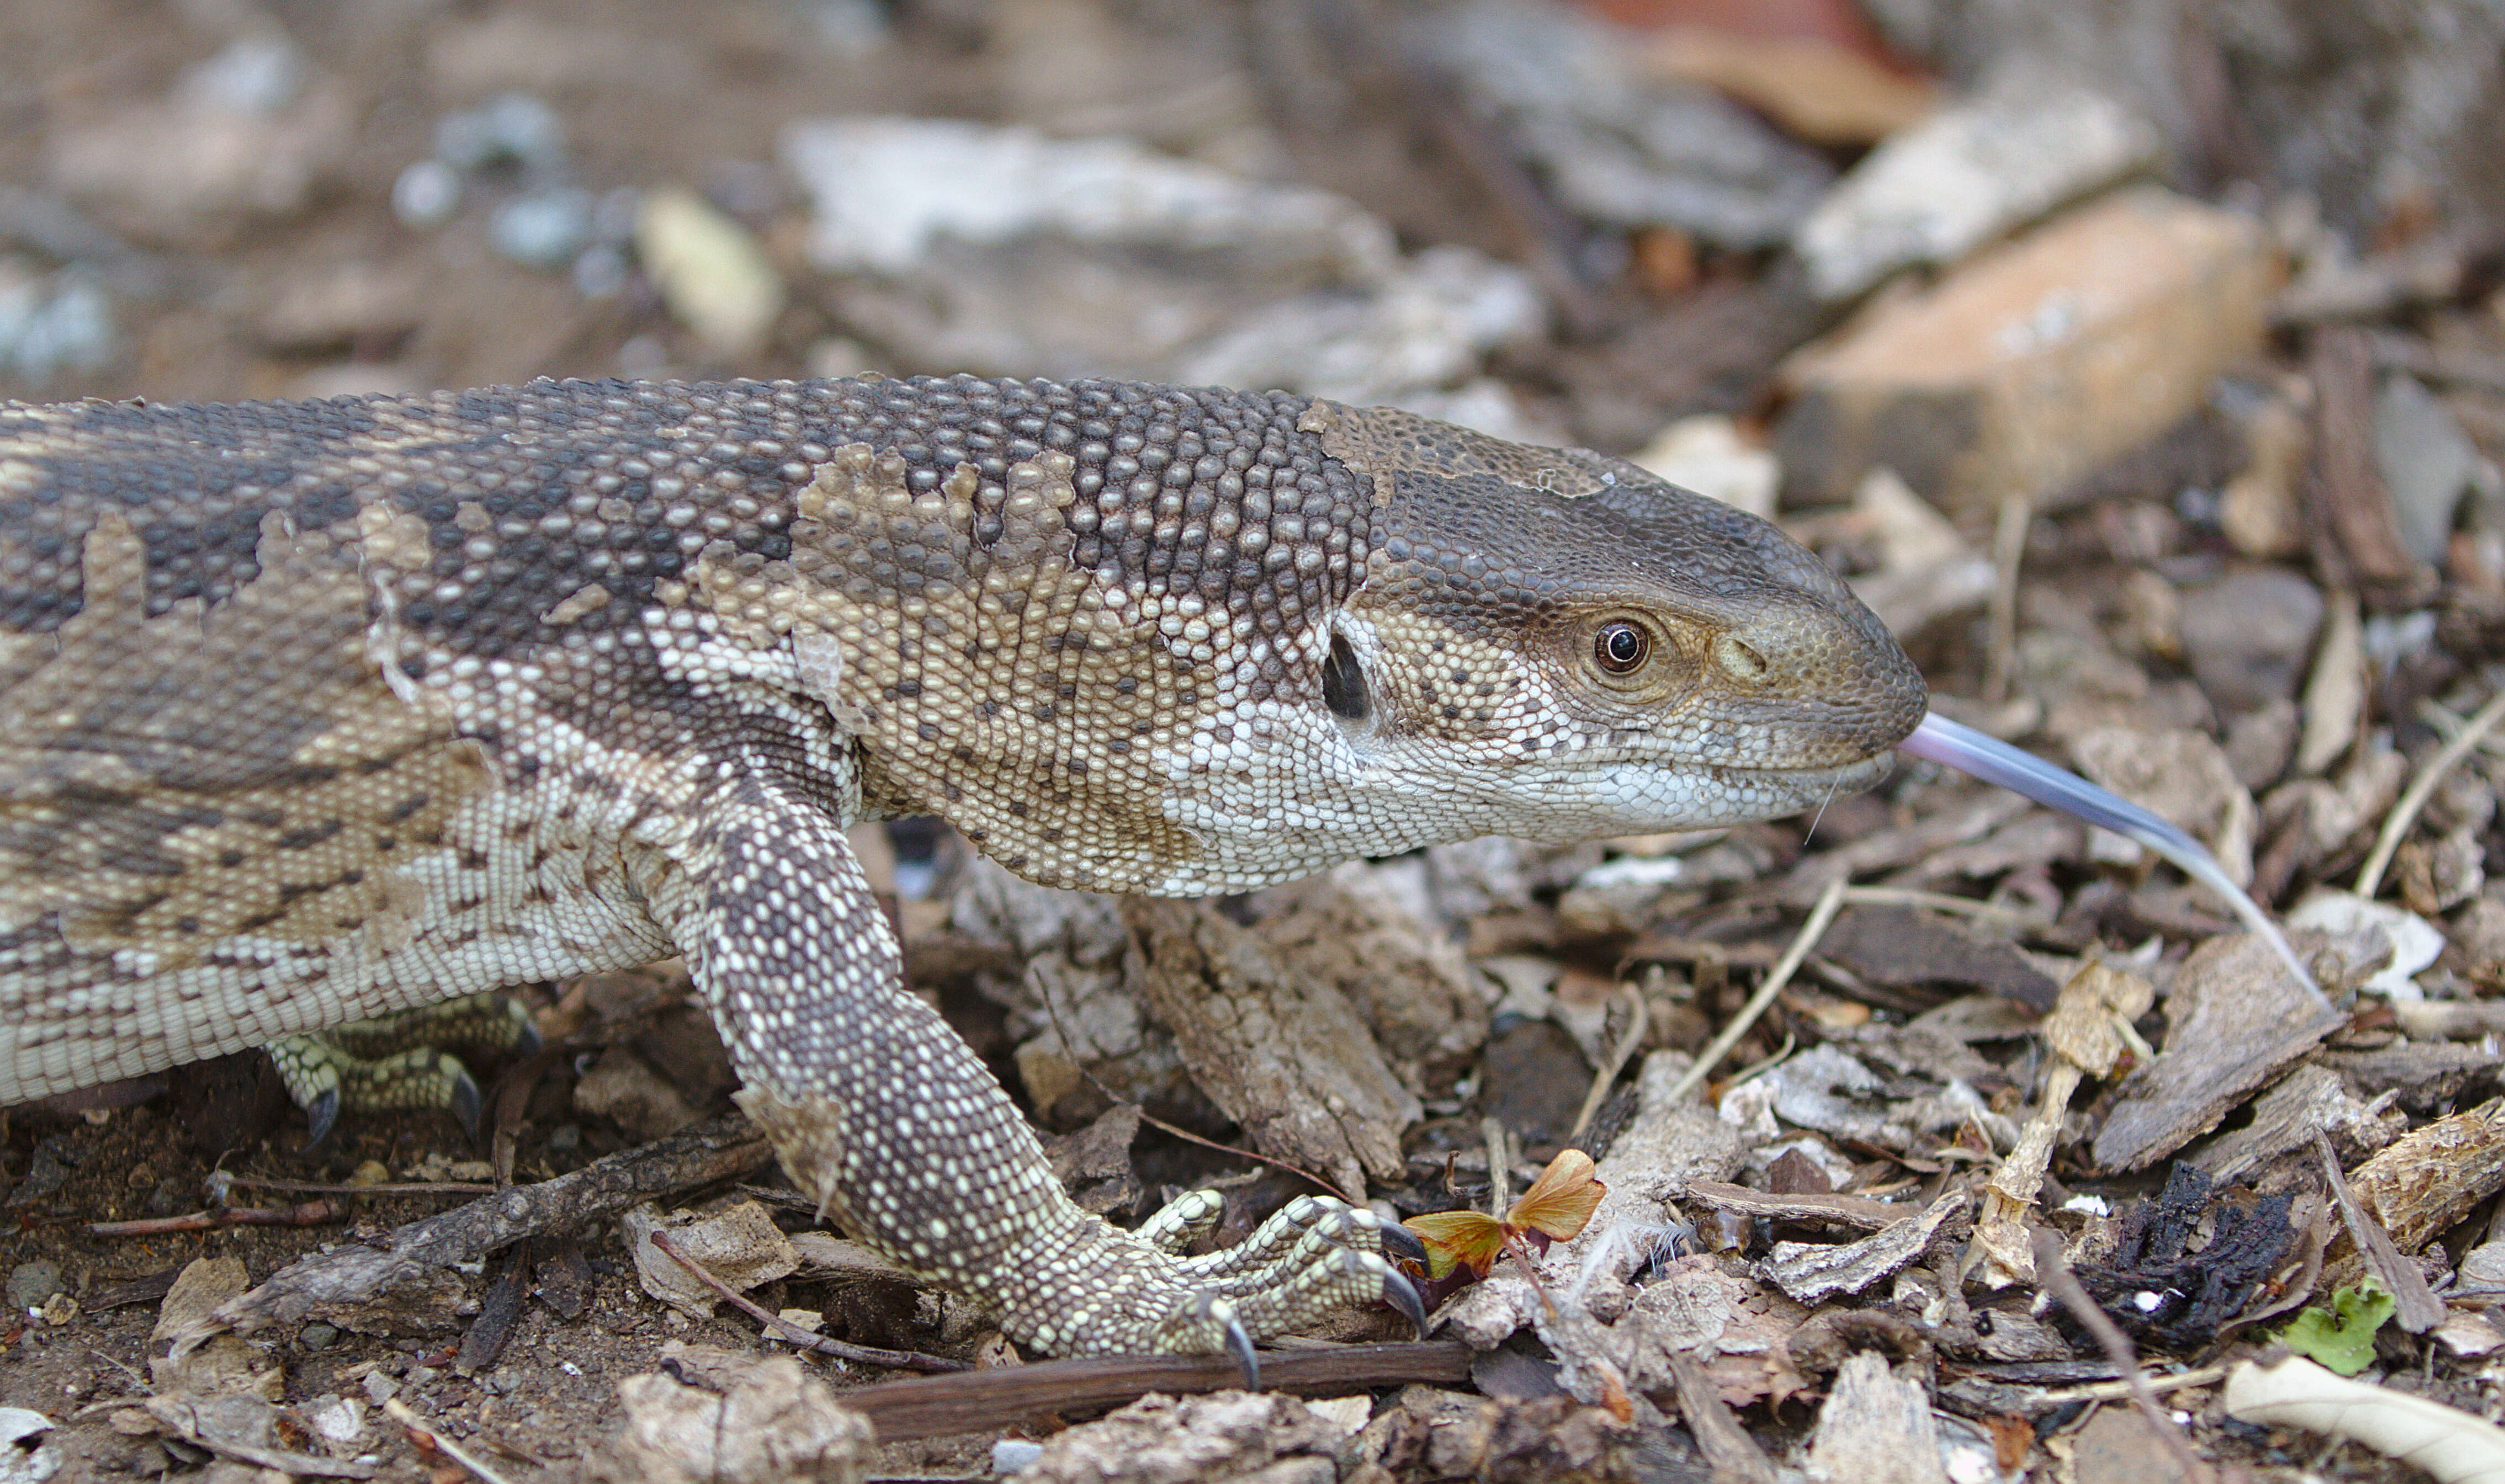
{"x": 1809, "y": 1271}
{"x": 1859, "y": 1212}
{"x": 1899, "y": 946}
{"x": 2358, "y": 534}
{"x": 1876, "y": 1428}
{"x": 2431, "y": 1177}
{"x": 2236, "y": 1018}
{"x": 1284, "y": 1056}
{"x": 2310, "y": 1098}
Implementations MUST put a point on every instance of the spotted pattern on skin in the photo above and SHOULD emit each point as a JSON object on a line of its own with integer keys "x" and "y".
{"x": 312, "y": 711}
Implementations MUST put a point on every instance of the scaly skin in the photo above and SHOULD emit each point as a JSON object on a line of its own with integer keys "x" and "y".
{"x": 314, "y": 711}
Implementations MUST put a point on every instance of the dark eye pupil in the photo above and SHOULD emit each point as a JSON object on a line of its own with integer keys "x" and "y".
{"x": 1622, "y": 647}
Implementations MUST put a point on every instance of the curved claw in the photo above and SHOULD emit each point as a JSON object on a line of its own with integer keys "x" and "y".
{"x": 1239, "y": 1342}
{"x": 1402, "y": 1294}
{"x": 527, "y": 1039}
{"x": 466, "y": 1103}
{"x": 1400, "y": 1242}
{"x": 323, "y": 1115}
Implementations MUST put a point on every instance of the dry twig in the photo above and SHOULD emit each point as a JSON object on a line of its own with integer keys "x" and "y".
{"x": 804, "y": 1339}
{"x": 1824, "y": 913}
{"x": 2405, "y": 813}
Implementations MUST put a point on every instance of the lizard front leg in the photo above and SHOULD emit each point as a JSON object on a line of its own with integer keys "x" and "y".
{"x": 879, "y": 1110}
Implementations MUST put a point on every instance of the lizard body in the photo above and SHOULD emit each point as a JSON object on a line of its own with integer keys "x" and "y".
{"x": 311, "y": 711}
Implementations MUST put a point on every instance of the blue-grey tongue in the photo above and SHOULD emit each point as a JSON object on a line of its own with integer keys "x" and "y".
{"x": 1979, "y": 754}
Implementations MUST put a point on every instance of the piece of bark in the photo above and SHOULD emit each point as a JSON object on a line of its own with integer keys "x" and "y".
{"x": 1232, "y": 1435}
{"x": 1094, "y": 1164}
{"x": 753, "y": 1420}
{"x": 1284, "y": 1056}
{"x": 1726, "y": 1446}
{"x": 2414, "y": 1306}
{"x": 407, "y": 1283}
{"x": 1406, "y": 980}
{"x": 2120, "y": 1446}
{"x": 1875, "y": 1429}
{"x": 2286, "y": 1118}
{"x": 1860, "y": 1212}
{"x": 1899, "y": 946}
{"x": 2428, "y": 1075}
{"x": 2235, "y": 1018}
{"x": 1887, "y": 849}
{"x": 741, "y": 1246}
{"x": 2431, "y": 1177}
{"x": 1810, "y": 1271}
{"x": 2357, "y": 531}
{"x": 2449, "y": 1019}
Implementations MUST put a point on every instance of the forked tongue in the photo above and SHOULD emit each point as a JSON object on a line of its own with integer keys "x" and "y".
{"x": 1977, "y": 754}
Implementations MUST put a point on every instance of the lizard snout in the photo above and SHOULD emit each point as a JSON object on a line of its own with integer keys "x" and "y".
{"x": 1823, "y": 676}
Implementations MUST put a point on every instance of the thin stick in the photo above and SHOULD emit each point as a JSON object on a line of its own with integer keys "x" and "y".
{"x": 435, "y": 1442}
{"x": 2054, "y": 1274}
{"x": 1522, "y": 1260}
{"x": 2121, "y": 1390}
{"x": 2444, "y": 722}
{"x": 2009, "y": 554}
{"x": 1500, "y": 1158}
{"x": 805, "y": 1339}
{"x": 387, "y": 1187}
{"x": 977, "y": 1400}
{"x": 1810, "y": 932}
{"x": 1628, "y": 1039}
{"x": 1942, "y": 902}
{"x": 2370, "y": 876}
{"x": 306, "y": 1214}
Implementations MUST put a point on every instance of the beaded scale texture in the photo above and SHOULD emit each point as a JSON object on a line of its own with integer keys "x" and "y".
{"x": 310, "y": 711}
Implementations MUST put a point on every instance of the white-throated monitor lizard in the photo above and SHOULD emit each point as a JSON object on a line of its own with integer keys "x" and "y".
{"x": 315, "y": 711}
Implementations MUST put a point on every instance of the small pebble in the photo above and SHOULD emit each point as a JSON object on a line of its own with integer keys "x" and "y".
{"x": 318, "y": 1335}
{"x": 427, "y": 193}
{"x": 31, "y": 1283}
{"x": 53, "y": 323}
{"x": 613, "y": 221}
{"x": 1012, "y": 1454}
{"x": 542, "y": 229}
{"x": 511, "y": 126}
{"x": 338, "y": 1419}
{"x": 256, "y": 75}
{"x": 599, "y": 271}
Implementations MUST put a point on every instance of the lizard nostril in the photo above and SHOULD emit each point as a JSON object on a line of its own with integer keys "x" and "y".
{"x": 1740, "y": 661}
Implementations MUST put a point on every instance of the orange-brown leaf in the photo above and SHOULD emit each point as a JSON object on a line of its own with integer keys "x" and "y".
{"x": 1561, "y": 1200}
{"x": 1471, "y": 1239}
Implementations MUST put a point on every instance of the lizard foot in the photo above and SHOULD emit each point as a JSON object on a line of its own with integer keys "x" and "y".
{"x": 1295, "y": 1242}
{"x": 392, "y": 1062}
{"x": 1110, "y": 1293}
{"x": 1296, "y": 1234}
{"x": 1311, "y": 1258}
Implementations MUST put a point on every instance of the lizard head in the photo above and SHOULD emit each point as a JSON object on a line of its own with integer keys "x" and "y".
{"x": 1564, "y": 645}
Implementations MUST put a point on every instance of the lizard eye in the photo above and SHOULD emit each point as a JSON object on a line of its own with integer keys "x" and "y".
{"x": 1622, "y": 647}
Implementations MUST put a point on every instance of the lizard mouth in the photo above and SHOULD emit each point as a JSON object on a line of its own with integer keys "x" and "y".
{"x": 1812, "y": 783}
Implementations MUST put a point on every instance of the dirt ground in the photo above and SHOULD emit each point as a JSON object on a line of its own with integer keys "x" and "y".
{"x": 2199, "y": 617}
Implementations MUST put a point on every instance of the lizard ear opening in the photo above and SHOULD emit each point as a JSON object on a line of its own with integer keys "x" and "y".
{"x": 1344, "y": 683}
